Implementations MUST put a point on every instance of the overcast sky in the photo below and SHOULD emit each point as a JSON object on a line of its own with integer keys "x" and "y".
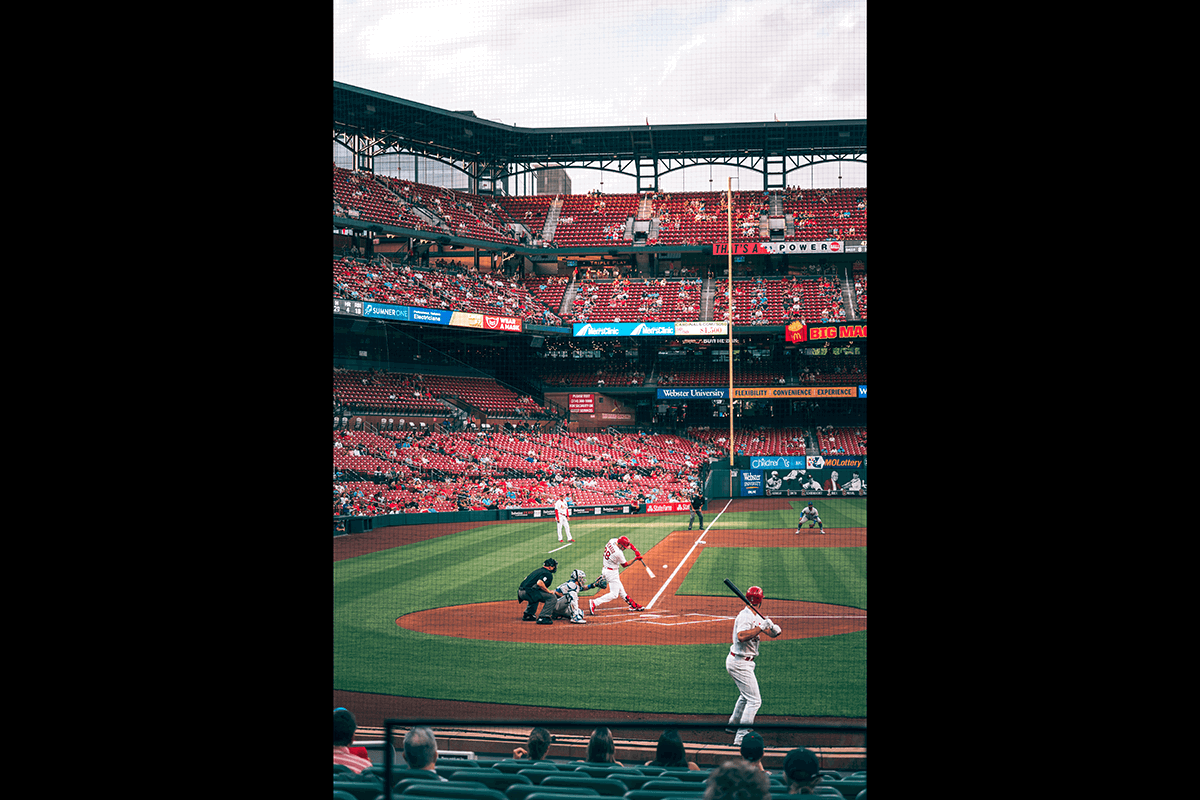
{"x": 548, "y": 63}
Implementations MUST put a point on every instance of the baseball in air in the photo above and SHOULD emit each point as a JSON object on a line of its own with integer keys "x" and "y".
{"x": 664, "y": 566}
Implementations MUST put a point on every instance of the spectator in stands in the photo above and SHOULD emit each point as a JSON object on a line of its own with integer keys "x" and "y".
{"x": 803, "y": 771}
{"x": 752, "y": 750}
{"x": 670, "y": 751}
{"x": 344, "y": 727}
{"x": 737, "y": 780}
{"x": 537, "y": 745}
{"x": 420, "y": 750}
{"x": 601, "y": 749}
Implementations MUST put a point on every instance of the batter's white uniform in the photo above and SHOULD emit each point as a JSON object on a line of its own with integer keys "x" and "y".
{"x": 562, "y": 514}
{"x": 740, "y": 666}
{"x": 614, "y": 559}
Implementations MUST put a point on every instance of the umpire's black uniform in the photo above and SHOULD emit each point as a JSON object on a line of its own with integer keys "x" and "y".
{"x": 697, "y": 504}
{"x": 531, "y": 594}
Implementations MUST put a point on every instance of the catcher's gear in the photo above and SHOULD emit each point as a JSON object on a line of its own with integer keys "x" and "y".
{"x": 578, "y": 576}
{"x": 624, "y": 542}
{"x": 755, "y": 595}
{"x": 578, "y": 619}
{"x": 601, "y": 582}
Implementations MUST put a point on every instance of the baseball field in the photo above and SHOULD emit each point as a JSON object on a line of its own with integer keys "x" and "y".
{"x": 429, "y": 612}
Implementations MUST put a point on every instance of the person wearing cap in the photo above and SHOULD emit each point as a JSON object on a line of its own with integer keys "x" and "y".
{"x": 748, "y": 626}
{"x": 344, "y": 726}
{"x": 803, "y": 771}
{"x": 536, "y": 589}
{"x": 752, "y": 750}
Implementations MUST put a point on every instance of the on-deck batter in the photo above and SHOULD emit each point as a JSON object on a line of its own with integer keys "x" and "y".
{"x": 747, "y": 627}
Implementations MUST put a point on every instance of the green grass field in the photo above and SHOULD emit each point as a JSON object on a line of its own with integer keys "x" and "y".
{"x": 823, "y": 676}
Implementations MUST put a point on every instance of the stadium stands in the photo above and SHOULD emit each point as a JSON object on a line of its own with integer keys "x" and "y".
{"x": 676, "y": 218}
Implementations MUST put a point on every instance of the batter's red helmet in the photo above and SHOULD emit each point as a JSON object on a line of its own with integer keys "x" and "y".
{"x": 755, "y": 595}
{"x": 624, "y": 542}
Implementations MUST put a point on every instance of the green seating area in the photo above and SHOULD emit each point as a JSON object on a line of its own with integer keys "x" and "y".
{"x": 511, "y": 779}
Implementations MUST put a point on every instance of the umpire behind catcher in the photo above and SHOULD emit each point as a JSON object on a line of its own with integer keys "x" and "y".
{"x": 536, "y": 589}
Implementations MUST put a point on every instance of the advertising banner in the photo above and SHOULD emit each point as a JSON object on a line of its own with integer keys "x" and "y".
{"x": 818, "y": 332}
{"x": 778, "y": 462}
{"x": 700, "y": 329}
{"x": 821, "y": 482}
{"x": 768, "y": 248}
{"x": 794, "y": 392}
{"x": 624, "y": 329}
{"x": 576, "y": 511}
{"x": 664, "y": 508}
{"x": 432, "y": 316}
{"x": 688, "y": 394}
{"x": 752, "y": 483}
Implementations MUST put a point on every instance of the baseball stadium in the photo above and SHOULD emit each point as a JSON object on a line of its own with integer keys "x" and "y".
{"x": 599, "y": 454}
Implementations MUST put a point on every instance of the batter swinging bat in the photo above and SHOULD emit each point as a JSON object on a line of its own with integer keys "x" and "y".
{"x": 649, "y": 571}
{"x": 741, "y": 595}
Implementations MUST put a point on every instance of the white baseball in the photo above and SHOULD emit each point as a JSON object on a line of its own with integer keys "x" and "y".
{"x": 664, "y": 566}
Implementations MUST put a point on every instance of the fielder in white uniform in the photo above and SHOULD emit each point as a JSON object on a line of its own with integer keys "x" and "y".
{"x": 747, "y": 627}
{"x": 614, "y": 561}
{"x": 809, "y": 514}
{"x": 562, "y": 515}
{"x": 568, "y": 605}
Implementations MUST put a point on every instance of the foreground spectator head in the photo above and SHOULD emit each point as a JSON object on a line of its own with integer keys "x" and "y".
{"x": 670, "y": 752}
{"x": 344, "y": 726}
{"x": 803, "y": 770}
{"x": 420, "y": 749}
{"x": 752, "y": 748}
{"x": 601, "y": 749}
{"x": 737, "y": 780}
{"x": 537, "y": 745}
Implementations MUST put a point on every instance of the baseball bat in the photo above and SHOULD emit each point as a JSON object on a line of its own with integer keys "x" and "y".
{"x": 649, "y": 571}
{"x": 742, "y": 596}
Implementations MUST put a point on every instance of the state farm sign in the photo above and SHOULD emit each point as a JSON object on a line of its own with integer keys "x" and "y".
{"x": 662, "y": 508}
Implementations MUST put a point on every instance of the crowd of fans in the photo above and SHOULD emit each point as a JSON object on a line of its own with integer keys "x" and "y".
{"x": 406, "y": 470}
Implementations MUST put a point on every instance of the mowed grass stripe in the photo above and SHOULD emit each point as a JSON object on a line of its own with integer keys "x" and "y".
{"x": 815, "y": 574}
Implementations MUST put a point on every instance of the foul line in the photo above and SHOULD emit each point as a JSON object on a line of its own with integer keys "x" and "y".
{"x": 564, "y": 547}
{"x": 683, "y": 561}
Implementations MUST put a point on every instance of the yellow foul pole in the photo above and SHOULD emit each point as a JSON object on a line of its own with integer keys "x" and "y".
{"x": 729, "y": 305}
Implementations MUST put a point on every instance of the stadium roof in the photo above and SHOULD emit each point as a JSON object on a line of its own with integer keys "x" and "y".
{"x": 374, "y": 124}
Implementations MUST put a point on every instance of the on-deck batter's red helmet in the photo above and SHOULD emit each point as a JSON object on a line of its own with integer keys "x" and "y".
{"x": 624, "y": 542}
{"x": 755, "y": 595}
